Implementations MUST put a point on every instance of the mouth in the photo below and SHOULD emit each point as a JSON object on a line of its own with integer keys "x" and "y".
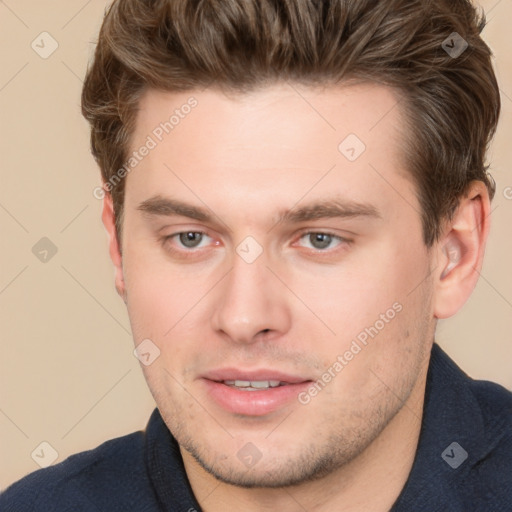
{"x": 255, "y": 385}
{"x": 253, "y": 393}
{"x": 253, "y": 378}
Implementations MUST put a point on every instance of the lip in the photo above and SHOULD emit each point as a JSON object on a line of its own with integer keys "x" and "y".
{"x": 253, "y": 403}
{"x": 264, "y": 374}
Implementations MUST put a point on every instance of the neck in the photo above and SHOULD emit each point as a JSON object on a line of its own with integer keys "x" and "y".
{"x": 372, "y": 481}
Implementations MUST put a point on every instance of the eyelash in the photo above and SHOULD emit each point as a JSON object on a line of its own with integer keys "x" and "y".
{"x": 334, "y": 237}
{"x": 191, "y": 253}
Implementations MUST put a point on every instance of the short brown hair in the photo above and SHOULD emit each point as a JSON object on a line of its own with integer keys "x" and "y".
{"x": 451, "y": 102}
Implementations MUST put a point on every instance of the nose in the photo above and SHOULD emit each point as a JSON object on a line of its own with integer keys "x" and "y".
{"x": 251, "y": 304}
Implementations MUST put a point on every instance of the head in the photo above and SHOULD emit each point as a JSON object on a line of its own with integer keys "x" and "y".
{"x": 326, "y": 170}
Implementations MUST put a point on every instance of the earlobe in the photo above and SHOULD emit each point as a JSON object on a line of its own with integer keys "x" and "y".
{"x": 460, "y": 251}
{"x": 108, "y": 218}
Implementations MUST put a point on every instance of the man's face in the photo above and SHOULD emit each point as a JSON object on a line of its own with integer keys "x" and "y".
{"x": 257, "y": 249}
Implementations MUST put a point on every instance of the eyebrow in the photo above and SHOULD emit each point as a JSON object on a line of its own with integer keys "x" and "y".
{"x": 329, "y": 209}
{"x": 333, "y": 208}
{"x": 162, "y": 206}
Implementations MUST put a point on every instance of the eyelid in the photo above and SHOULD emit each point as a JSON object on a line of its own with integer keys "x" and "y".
{"x": 341, "y": 239}
{"x": 176, "y": 235}
{"x": 320, "y": 231}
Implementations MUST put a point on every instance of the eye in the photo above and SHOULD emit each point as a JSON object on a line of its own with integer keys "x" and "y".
{"x": 321, "y": 241}
{"x": 190, "y": 239}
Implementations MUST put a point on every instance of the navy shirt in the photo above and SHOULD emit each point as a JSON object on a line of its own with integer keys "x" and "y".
{"x": 463, "y": 462}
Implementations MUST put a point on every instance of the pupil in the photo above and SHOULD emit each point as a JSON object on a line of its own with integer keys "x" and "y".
{"x": 320, "y": 240}
{"x": 190, "y": 239}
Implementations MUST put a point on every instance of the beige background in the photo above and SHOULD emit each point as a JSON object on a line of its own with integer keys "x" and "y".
{"x": 68, "y": 374}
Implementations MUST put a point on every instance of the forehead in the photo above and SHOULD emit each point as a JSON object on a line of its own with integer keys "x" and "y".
{"x": 283, "y": 140}
{"x": 279, "y": 117}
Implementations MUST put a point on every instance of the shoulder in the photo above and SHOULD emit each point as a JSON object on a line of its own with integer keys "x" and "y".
{"x": 495, "y": 401}
{"x": 464, "y": 454}
{"x": 110, "y": 477}
{"x": 495, "y": 404}
{"x": 486, "y": 415}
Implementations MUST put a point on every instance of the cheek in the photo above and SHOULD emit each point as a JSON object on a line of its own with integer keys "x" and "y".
{"x": 152, "y": 307}
{"x": 158, "y": 296}
{"x": 353, "y": 295}
{"x": 378, "y": 307}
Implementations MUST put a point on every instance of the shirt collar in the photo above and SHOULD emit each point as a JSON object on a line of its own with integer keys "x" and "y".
{"x": 165, "y": 468}
{"x": 451, "y": 414}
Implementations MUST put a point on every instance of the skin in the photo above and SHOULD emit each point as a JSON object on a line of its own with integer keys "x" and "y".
{"x": 246, "y": 160}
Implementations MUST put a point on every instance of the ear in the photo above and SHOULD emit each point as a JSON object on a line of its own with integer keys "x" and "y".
{"x": 460, "y": 251}
{"x": 108, "y": 218}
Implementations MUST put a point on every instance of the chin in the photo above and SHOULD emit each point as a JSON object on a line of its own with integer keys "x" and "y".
{"x": 273, "y": 470}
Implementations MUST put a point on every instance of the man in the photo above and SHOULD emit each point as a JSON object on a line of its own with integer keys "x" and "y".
{"x": 295, "y": 192}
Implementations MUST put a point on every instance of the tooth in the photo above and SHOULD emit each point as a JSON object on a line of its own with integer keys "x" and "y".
{"x": 259, "y": 384}
{"x": 254, "y": 384}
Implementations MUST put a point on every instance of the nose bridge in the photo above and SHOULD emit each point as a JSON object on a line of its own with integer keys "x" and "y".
{"x": 250, "y": 300}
